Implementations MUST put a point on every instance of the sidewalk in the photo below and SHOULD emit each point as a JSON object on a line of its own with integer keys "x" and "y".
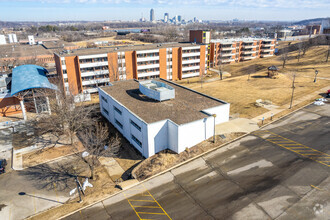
{"x": 279, "y": 109}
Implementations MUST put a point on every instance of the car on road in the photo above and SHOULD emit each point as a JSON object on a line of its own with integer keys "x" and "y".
{"x": 3, "y": 164}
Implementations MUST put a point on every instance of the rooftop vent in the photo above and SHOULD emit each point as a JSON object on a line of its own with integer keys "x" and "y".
{"x": 157, "y": 90}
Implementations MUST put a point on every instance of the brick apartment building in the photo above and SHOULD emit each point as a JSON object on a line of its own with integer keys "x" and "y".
{"x": 229, "y": 51}
{"x": 86, "y": 69}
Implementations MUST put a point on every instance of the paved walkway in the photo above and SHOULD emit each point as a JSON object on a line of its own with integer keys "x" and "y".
{"x": 279, "y": 109}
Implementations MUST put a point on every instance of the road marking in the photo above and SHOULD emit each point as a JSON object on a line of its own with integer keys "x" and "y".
{"x": 304, "y": 151}
{"x": 316, "y": 187}
{"x": 81, "y": 214}
{"x": 144, "y": 193}
{"x": 152, "y": 213}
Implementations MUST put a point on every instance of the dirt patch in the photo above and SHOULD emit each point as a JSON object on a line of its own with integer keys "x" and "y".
{"x": 166, "y": 159}
{"x": 50, "y": 153}
{"x": 102, "y": 188}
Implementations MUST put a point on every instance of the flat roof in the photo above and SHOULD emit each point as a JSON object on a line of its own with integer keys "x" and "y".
{"x": 19, "y": 50}
{"x": 187, "y": 106}
{"x": 57, "y": 44}
{"x": 100, "y": 50}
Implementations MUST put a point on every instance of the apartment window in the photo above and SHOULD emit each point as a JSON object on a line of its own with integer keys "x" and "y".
{"x": 136, "y": 140}
{"x": 135, "y": 125}
{"x": 119, "y": 124}
{"x": 117, "y": 110}
{"x": 105, "y": 111}
{"x": 104, "y": 99}
{"x": 64, "y": 72}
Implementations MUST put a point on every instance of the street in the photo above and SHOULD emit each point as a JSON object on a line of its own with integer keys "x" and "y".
{"x": 279, "y": 172}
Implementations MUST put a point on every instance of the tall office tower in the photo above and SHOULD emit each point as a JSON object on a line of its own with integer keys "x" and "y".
{"x": 179, "y": 18}
{"x": 166, "y": 17}
{"x": 152, "y": 15}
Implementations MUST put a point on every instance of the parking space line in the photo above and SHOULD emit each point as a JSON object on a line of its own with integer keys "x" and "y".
{"x": 143, "y": 209}
{"x": 304, "y": 151}
{"x": 144, "y": 206}
{"x": 34, "y": 203}
{"x": 56, "y": 193}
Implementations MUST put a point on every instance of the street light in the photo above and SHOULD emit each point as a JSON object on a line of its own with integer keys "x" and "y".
{"x": 214, "y": 115}
{"x": 316, "y": 72}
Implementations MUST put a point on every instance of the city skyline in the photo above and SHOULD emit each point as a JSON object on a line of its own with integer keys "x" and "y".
{"x": 100, "y": 10}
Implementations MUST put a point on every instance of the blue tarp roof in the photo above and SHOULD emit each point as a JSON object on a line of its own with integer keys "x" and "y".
{"x": 29, "y": 77}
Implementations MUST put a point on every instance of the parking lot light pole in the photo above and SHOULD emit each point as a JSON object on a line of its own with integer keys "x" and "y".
{"x": 316, "y": 72}
{"x": 214, "y": 115}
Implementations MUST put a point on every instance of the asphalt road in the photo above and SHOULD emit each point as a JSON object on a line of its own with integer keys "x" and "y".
{"x": 27, "y": 192}
{"x": 279, "y": 172}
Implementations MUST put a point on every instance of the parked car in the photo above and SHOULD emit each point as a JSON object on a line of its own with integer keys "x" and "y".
{"x": 3, "y": 164}
{"x": 328, "y": 94}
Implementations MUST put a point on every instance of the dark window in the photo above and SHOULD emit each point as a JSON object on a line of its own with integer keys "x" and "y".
{"x": 136, "y": 141}
{"x": 117, "y": 110}
{"x": 104, "y": 99}
{"x": 119, "y": 124}
{"x": 135, "y": 125}
{"x": 106, "y": 111}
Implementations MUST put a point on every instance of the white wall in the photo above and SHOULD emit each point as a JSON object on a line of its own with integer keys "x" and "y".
{"x": 195, "y": 132}
{"x": 221, "y": 111}
{"x": 163, "y": 134}
{"x": 128, "y": 129}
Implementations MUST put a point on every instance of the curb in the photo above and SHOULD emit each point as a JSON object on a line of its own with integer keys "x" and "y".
{"x": 175, "y": 166}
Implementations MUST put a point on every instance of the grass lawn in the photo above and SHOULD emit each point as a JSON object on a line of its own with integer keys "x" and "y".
{"x": 242, "y": 93}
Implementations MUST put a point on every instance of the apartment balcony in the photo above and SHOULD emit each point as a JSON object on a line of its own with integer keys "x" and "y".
{"x": 95, "y": 81}
{"x": 86, "y": 65}
{"x": 267, "y": 45}
{"x": 148, "y": 66}
{"x": 190, "y": 68}
{"x": 227, "y": 54}
{"x": 248, "y": 51}
{"x": 94, "y": 73}
{"x": 191, "y": 61}
{"x": 187, "y": 75}
{"x": 266, "y": 55}
{"x": 227, "y": 48}
{"x": 248, "y": 57}
{"x": 191, "y": 54}
{"x": 227, "y": 60}
{"x": 249, "y": 46}
{"x": 156, "y": 73}
{"x": 267, "y": 50}
{"x": 142, "y": 59}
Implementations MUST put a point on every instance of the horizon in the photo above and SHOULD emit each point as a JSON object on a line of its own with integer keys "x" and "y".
{"x": 128, "y": 10}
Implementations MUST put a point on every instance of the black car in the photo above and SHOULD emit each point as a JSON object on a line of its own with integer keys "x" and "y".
{"x": 3, "y": 164}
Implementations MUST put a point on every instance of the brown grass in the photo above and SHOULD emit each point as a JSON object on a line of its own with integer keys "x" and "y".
{"x": 166, "y": 159}
{"x": 242, "y": 93}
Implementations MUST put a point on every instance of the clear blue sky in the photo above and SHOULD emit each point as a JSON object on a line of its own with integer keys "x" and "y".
{"x": 51, "y": 10}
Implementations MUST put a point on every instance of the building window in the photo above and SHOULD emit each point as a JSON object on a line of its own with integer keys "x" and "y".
{"x": 104, "y": 99}
{"x": 105, "y": 111}
{"x": 119, "y": 124}
{"x": 136, "y": 140}
{"x": 117, "y": 110}
{"x": 135, "y": 125}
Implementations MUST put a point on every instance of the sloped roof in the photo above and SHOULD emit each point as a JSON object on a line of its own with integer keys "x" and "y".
{"x": 29, "y": 77}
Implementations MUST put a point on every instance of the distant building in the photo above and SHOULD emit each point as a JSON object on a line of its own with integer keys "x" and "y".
{"x": 179, "y": 18}
{"x": 152, "y": 15}
{"x": 325, "y": 26}
{"x": 31, "y": 40}
{"x": 150, "y": 125}
{"x": 2, "y": 40}
{"x": 200, "y": 36}
{"x": 227, "y": 51}
{"x": 166, "y": 17}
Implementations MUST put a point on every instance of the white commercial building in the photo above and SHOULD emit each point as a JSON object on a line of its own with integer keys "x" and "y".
{"x": 155, "y": 115}
{"x": 2, "y": 40}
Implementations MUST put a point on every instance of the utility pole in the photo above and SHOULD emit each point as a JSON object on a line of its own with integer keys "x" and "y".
{"x": 214, "y": 116}
{"x": 294, "y": 76}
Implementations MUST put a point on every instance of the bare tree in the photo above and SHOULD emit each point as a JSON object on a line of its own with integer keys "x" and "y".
{"x": 67, "y": 116}
{"x": 284, "y": 57}
{"x": 98, "y": 142}
{"x": 305, "y": 46}
{"x": 300, "y": 48}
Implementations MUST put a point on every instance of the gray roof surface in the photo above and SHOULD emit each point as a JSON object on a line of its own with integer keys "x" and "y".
{"x": 186, "y": 107}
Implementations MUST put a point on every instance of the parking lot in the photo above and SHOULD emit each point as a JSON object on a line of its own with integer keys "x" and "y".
{"x": 279, "y": 172}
